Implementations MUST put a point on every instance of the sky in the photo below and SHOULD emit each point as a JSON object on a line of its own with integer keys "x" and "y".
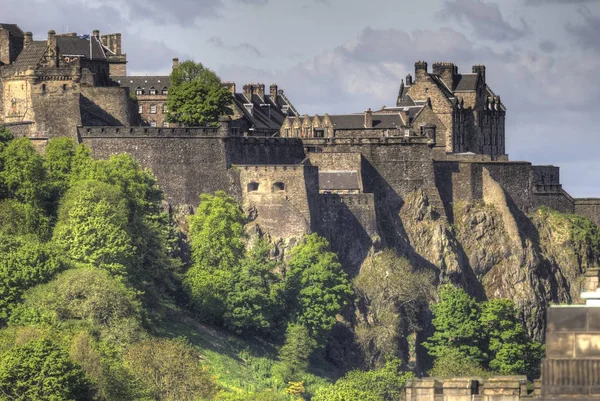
{"x": 344, "y": 56}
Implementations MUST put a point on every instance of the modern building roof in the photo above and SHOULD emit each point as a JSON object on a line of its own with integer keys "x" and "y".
{"x": 338, "y": 180}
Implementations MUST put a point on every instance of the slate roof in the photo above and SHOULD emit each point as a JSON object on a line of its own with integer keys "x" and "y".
{"x": 338, "y": 180}
{"x": 260, "y": 118}
{"x": 134, "y": 82}
{"x": 13, "y": 29}
{"x": 75, "y": 45}
{"x": 357, "y": 121}
{"x": 30, "y": 56}
{"x": 466, "y": 82}
{"x": 403, "y": 98}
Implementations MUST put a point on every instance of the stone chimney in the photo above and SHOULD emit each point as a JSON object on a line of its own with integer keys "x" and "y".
{"x": 53, "y": 51}
{"x": 408, "y": 80}
{"x": 479, "y": 69}
{"x": 273, "y": 92}
{"x": 446, "y": 72}
{"x": 96, "y": 34}
{"x": 420, "y": 70}
{"x": 247, "y": 91}
{"x": 259, "y": 90}
{"x": 230, "y": 85}
{"x": 175, "y": 62}
{"x": 368, "y": 119}
{"x": 27, "y": 38}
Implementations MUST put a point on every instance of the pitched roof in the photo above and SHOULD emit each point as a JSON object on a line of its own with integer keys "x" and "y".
{"x": 403, "y": 98}
{"x": 466, "y": 82}
{"x": 338, "y": 180}
{"x": 30, "y": 56}
{"x": 357, "y": 121}
{"x": 134, "y": 82}
{"x": 262, "y": 117}
{"x": 13, "y": 29}
{"x": 83, "y": 46}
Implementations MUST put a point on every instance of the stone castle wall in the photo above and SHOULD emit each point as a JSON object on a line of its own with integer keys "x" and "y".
{"x": 106, "y": 106}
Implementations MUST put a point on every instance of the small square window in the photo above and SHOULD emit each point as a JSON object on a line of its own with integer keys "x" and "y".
{"x": 152, "y": 109}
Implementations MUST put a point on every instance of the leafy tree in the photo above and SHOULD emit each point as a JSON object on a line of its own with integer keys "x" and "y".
{"x": 41, "y": 370}
{"x": 256, "y": 299}
{"x": 216, "y": 232}
{"x": 24, "y": 263}
{"x": 58, "y": 159}
{"x": 23, "y": 173}
{"x": 317, "y": 288}
{"x": 170, "y": 370}
{"x": 392, "y": 294}
{"x": 457, "y": 325}
{"x": 17, "y": 219}
{"x": 5, "y": 137}
{"x": 451, "y": 362}
{"x": 511, "y": 351}
{"x": 92, "y": 226}
{"x": 86, "y": 295}
{"x": 196, "y": 95}
{"x": 385, "y": 384}
{"x": 295, "y": 353}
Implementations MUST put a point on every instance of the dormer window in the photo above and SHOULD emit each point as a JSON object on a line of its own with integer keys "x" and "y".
{"x": 266, "y": 108}
{"x": 285, "y": 109}
{"x": 249, "y": 107}
{"x": 139, "y": 91}
{"x": 153, "y": 91}
{"x": 165, "y": 91}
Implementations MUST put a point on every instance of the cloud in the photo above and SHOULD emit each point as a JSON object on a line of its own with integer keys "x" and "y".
{"x": 254, "y": 2}
{"x": 485, "y": 19}
{"x": 550, "y": 2}
{"x": 242, "y": 47}
{"x": 586, "y": 34}
{"x": 548, "y": 46}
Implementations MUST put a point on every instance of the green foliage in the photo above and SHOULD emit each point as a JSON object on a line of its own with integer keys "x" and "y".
{"x": 256, "y": 299}
{"x": 294, "y": 354}
{"x": 41, "y": 370}
{"x": 196, "y": 95}
{"x": 58, "y": 160}
{"x": 385, "y": 384}
{"x": 170, "y": 370}
{"x": 511, "y": 351}
{"x": 18, "y": 219}
{"x": 23, "y": 173}
{"x": 5, "y": 137}
{"x": 216, "y": 232}
{"x": 24, "y": 263}
{"x": 316, "y": 286}
{"x": 451, "y": 362}
{"x": 395, "y": 293}
{"x": 86, "y": 296}
{"x": 267, "y": 395}
{"x": 457, "y": 325}
{"x": 92, "y": 226}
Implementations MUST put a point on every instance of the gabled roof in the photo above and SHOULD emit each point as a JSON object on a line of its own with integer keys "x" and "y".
{"x": 134, "y": 82}
{"x": 338, "y": 180}
{"x": 357, "y": 121}
{"x": 267, "y": 118}
{"x": 466, "y": 82}
{"x": 403, "y": 98}
{"x": 13, "y": 29}
{"x": 81, "y": 46}
{"x": 30, "y": 56}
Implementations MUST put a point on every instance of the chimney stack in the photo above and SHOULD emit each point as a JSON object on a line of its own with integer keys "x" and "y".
{"x": 53, "y": 53}
{"x": 420, "y": 70}
{"x": 273, "y": 91}
{"x": 479, "y": 69}
{"x": 408, "y": 80}
{"x": 96, "y": 34}
{"x": 231, "y": 86}
{"x": 27, "y": 38}
{"x": 446, "y": 72}
{"x": 175, "y": 62}
{"x": 259, "y": 90}
{"x": 368, "y": 118}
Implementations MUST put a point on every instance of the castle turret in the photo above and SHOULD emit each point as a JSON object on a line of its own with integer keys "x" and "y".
{"x": 420, "y": 70}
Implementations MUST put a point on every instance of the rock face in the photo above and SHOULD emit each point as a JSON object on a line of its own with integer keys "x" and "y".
{"x": 493, "y": 250}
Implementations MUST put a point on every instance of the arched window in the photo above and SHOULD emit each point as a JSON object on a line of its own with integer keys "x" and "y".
{"x": 278, "y": 186}
{"x": 253, "y": 186}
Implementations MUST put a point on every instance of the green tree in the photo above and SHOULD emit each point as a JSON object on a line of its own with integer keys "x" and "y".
{"x": 58, "y": 159}
{"x": 18, "y": 218}
{"x": 196, "y": 95}
{"x": 294, "y": 355}
{"x": 41, "y": 370}
{"x": 170, "y": 370}
{"x": 24, "y": 263}
{"x": 457, "y": 325}
{"x": 511, "y": 351}
{"x": 216, "y": 232}
{"x": 92, "y": 226}
{"x": 316, "y": 286}
{"x": 256, "y": 300}
{"x": 392, "y": 295}
{"x": 451, "y": 362}
{"x": 384, "y": 384}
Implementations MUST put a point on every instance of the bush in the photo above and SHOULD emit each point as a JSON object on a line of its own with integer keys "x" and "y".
{"x": 453, "y": 363}
{"x": 295, "y": 353}
{"x": 40, "y": 370}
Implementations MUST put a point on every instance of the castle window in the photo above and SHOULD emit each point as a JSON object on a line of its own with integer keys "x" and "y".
{"x": 422, "y": 130}
{"x": 253, "y": 186}
{"x": 64, "y": 87}
{"x": 43, "y": 87}
{"x": 153, "y": 123}
{"x": 319, "y": 133}
{"x": 165, "y": 108}
{"x": 153, "y": 91}
{"x": 140, "y": 109}
{"x": 152, "y": 109}
{"x": 139, "y": 91}
{"x": 165, "y": 91}
{"x": 278, "y": 186}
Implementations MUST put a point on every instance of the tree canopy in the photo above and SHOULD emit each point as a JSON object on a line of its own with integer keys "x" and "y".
{"x": 196, "y": 95}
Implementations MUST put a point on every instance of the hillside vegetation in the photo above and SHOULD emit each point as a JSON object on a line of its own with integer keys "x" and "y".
{"x": 102, "y": 297}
